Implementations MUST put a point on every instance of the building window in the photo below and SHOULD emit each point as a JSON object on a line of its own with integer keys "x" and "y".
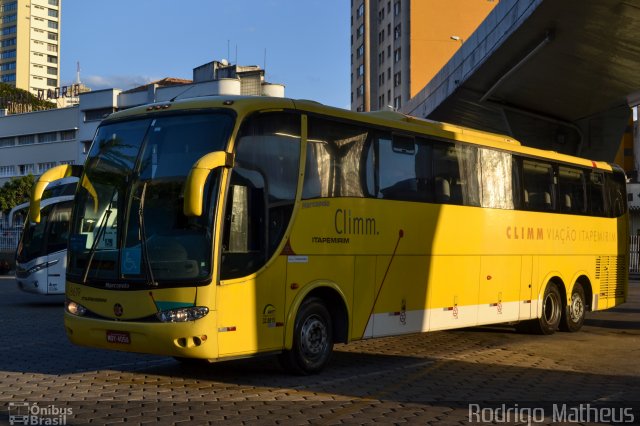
{"x": 396, "y": 8}
{"x": 53, "y": 36}
{"x": 8, "y": 18}
{"x": 97, "y": 114}
{"x": 360, "y": 70}
{"x": 7, "y": 54}
{"x": 381, "y": 15}
{"x": 52, "y": 70}
{"x": 52, "y": 82}
{"x": 397, "y": 79}
{"x": 360, "y": 30}
{"x": 397, "y": 102}
{"x": 67, "y": 135}
{"x": 397, "y": 55}
{"x": 8, "y": 30}
{"x": 47, "y": 137}
{"x": 8, "y": 78}
{"x": 360, "y": 11}
{"x": 52, "y": 59}
{"x": 381, "y": 36}
{"x": 25, "y": 169}
{"x": 8, "y": 66}
{"x": 8, "y": 7}
{"x": 43, "y": 167}
{"x": 86, "y": 146}
{"x": 26, "y": 139}
{"x": 53, "y": 25}
{"x": 360, "y": 50}
{"x": 53, "y": 2}
{"x": 397, "y": 32}
{"x": 360, "y": 91}
{"x": 70, "y": 162}
{"x": 7, "y": 142}
{"x": 53, "y": 13}
{"x": 6, "y": 171}
{"x": 8, "y": 42}
{"x": 52, "y": 47}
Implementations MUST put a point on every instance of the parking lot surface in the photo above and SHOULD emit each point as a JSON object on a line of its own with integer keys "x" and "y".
{"x": 475, "y": 375}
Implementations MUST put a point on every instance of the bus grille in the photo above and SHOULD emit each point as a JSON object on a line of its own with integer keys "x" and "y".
{"x": 611, "y": 271}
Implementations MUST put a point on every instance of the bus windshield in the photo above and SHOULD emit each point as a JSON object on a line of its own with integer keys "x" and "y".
{"x": 128, "y": 224}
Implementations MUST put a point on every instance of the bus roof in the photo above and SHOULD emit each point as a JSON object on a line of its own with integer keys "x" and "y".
{"x": 244, "y": 105}
{"x": 44, "y": 203}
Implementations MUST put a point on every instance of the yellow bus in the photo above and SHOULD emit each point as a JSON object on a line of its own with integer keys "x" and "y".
{"x": 224, "y": 227}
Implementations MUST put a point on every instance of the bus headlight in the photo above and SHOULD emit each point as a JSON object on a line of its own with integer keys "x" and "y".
{"x": 75, "y": 308}
{"x": 183, "y": 314}
{"x": 42, "y": 266}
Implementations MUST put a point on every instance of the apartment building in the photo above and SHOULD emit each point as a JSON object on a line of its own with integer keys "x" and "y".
{"x": 30, "y": 45}
{"x": 397, "y": 46}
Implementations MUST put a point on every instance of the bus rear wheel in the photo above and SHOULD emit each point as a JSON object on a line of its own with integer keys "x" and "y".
{"x": 574, "y": 313}
{"x": 312, "y": 339}
{"x": 551, "y": 311}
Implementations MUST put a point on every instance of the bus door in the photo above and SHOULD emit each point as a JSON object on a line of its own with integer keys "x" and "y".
{"x": 56, "y": 249}
{"x": 259, "y": 204}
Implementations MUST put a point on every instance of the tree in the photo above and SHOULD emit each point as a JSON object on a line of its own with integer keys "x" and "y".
{"x": 16, "y": 191}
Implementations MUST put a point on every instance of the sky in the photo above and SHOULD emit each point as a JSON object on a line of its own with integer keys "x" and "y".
{"x": 124, "y": 44}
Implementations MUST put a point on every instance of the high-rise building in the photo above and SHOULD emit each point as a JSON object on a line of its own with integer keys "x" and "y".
{"x": 30, "y": 44}
{"x": 397, "y": 46}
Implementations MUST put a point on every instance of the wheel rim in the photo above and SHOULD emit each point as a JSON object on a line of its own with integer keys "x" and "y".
{"x": 576, "y": 310}
{"x": 313, "y": 337}
{"x": 551, "y": 311}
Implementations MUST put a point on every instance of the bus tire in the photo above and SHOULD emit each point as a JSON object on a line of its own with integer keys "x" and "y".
{"x": 574, "y": 313}
{"x": 551, "y": 311}
{"x": 312, "y": 339}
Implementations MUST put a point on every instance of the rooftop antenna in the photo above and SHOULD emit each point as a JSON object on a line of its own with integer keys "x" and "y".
{"x": 78, "y": 72}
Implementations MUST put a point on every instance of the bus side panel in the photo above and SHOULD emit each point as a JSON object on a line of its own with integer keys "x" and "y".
{"x": 251, "y": 312}
{"x": 526, "y": 287}
{"x": 364, "y": 291}
{"x": 401, "y": 289}
{"x": 56, "y": 272}
{"x": 452, "y": 293}
{"x": 499, "y": 297}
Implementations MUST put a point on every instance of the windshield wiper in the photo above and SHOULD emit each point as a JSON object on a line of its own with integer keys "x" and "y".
{"x": 142, "y": 236}
{"x": 101, "y": 228}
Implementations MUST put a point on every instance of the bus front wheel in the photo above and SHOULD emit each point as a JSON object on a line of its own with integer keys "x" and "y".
{"x": 551, "y": 311}
{"x": 573, "y": 314}
{"x": 312, "y": 339}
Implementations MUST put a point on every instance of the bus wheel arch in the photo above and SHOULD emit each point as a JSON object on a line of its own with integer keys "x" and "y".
{"x": 573, "y": 314}
{"x": 318, "y": 319}
{"x": 552, "y": 304}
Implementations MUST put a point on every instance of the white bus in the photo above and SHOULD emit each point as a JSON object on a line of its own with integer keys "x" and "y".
{"x": 41, "y": 255}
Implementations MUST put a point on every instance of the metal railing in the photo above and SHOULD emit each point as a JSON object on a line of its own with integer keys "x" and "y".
{"x": 634, "y": 255}
{"x": 9, "y": 237}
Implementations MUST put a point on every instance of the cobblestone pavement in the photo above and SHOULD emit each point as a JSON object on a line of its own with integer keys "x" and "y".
{"x": 417, "y": 379}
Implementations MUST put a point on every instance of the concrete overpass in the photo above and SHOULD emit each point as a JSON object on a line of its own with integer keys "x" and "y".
{"x": 555, "y": 74}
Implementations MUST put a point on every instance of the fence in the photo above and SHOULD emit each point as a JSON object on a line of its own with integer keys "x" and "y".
{"x": 634, "y": 255}
{"x": 9, "y": 236}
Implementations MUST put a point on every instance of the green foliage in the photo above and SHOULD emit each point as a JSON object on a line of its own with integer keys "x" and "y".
{"x": 19, "y": 101}
{"x": 16, "y": 191}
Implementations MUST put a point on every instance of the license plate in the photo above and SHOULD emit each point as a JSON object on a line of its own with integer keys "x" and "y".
{"x": 121, "y": 337}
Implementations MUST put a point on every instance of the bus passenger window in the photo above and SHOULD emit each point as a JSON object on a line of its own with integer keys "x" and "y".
{"x": 455, "y": 171}
{"x": 616, "y": 191}
{"x": 497, "y": 179}
{"x": 338, "y": 160}
{"x": 538, "y": 185}
{"x": 571, "y": 190}
{"x": 596, "y": 194}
